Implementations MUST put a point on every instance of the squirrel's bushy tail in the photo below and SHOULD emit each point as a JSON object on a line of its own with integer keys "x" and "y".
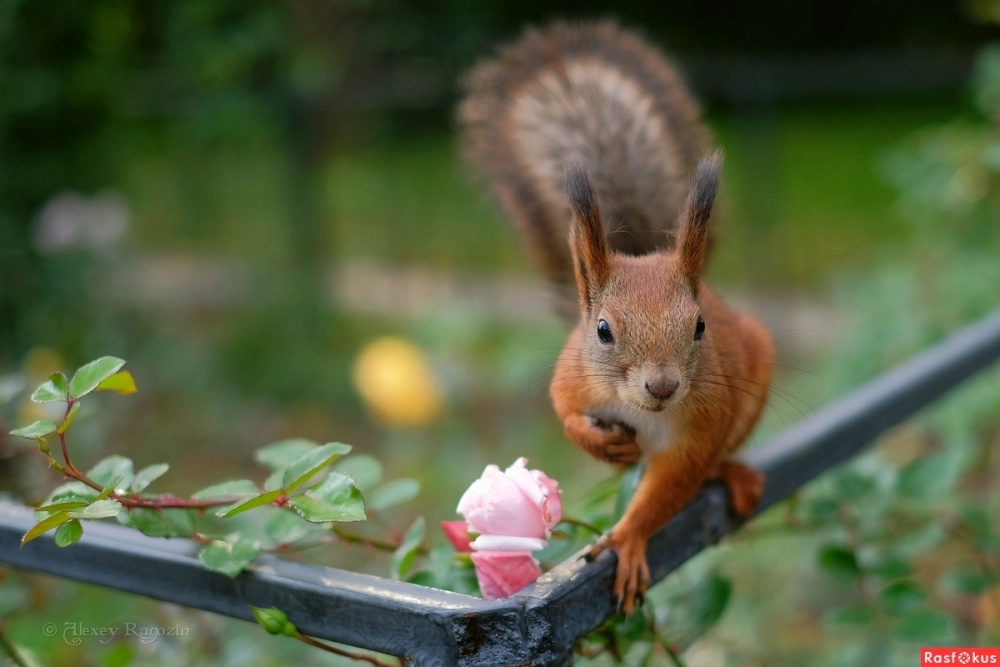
{"x": 592, "y": 94}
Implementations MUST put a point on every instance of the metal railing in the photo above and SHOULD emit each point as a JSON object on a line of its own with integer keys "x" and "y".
{"x": 539, "y": 625}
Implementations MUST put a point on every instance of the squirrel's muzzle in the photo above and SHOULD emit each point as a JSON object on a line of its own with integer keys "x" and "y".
{"x": 661, "y": 387}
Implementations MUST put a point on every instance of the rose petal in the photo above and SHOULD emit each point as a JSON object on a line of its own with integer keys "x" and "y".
{"x": 541, "y": 490}
{"x": 504, "y": 573}
{"x": 526, "y": 481}
{"x": 496, "y": 505}
{"x": 457, "y": 533}
{"x": 508, "y": 543}
{"x": 552, "y": 507}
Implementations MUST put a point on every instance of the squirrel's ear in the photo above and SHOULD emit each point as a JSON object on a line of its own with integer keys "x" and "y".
{"x": 591, "y": 261}
{"x": 692, "y": 238}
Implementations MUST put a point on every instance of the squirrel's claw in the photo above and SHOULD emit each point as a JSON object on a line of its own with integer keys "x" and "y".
{"x": 599, "y": 547}
{"x": 622, "y": 453}
{"x": 608, "y": 441}
{"x": 632, "y": 576}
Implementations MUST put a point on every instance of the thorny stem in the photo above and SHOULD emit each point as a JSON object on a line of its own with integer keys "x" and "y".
{"x": 62, "y": 439}
{"x": 582, "y": 524}
{"x": 381, "y": 545}
{"x": 671, "y": 652}
{"x": 362, "y": 657}
{"x": 165, "y": 502}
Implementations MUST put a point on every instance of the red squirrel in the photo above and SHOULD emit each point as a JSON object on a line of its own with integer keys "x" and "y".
{"x": 585, "y": 132}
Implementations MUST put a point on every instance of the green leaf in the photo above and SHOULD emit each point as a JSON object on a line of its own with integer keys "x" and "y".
{"x": 339, "y": 489}
{"x": 250, "y": 503}
{"x": 121, "y": 382}
{"x": 311, "y": 463}
{"x": 175, "y": 522}
{"x": 69, "y": 533}
{"x": 925, "y": 536}
{"x": 979, "y": 523}
{"x": 317, "y": 511}
{"x": 88, "y": 376}
{"x": 366, "y": 470}
{"x": 70, "y": 416}
{"x": 110, "y": 488}
{"x": 821, "y": 510}
{"x": 710, "y": 602}
{"x": 228, "y": 558}
{"x": 273, "y": 480}
{"x": 336, "y": 499}
{"x": 891, "y": 567}
{"x": 424, "y": 578}
{"x": 286, "y": 527}
{"x": 148, "y": 475}
{"x": 45, "y": 525}
{"x": 281, "y": 454}
{"x": 855, "y": 615}
{"x": 232, "y": 489}
{"x": 902, "y": 597}
{"x": 853, "y": 485}
{"x": 40, "y": 428}
{"x": 99, "y": 509}
{"x": 274, "y": 621}
{"x": 72, "y": 492}
{"x": 635, "y": 627}
{"x": 393, "y": 493}
{"x": 926, "y": 627}
{"x": 52, "y": 391}
{"x": 967, "y": 580}
{"x": 402, "y": 558}
{"x": 839, "y": 562}
{"x": 928, "y": 476}
{"x": 59, "y": 507}
{"x": 111, "y": 468}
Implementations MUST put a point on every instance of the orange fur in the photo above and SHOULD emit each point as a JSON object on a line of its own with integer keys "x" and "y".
{"x": 594, "y": 108}
{"x": 724, "y": 378}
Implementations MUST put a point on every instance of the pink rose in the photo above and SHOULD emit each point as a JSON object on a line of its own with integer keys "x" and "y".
{"x": 457, "y": 533}
{"x": 514, "y": 510}
{"x": 503, "y": 573}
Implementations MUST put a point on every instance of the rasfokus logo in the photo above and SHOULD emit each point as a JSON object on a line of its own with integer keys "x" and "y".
{"x": 959, "y": 656}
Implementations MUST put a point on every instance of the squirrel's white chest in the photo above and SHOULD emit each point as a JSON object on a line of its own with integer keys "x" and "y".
{"x": 654, "y": 431}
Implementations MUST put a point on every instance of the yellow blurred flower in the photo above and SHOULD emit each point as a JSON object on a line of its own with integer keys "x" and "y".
{"x": 396, "y": 383}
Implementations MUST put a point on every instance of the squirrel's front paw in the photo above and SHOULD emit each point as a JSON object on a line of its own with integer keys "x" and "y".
{"x": 632, "y": 577}
{"x": 610, "y": 441}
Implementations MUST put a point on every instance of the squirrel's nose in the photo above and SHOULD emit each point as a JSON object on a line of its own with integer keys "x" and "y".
{"x": 661, "y": 388}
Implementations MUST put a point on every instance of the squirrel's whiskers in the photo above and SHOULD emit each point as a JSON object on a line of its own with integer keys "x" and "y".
{"x": 587, "y": 133}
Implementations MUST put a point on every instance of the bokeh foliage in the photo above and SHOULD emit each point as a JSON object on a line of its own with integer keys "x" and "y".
{"x": 277, "y": 136}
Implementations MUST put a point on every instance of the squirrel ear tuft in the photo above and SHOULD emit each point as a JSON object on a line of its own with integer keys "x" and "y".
{"x": 591, "y": 261}
{"x": 693, "y": 230}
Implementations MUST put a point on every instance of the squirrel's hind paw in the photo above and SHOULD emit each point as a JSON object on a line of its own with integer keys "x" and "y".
{"x": 632, "y": 575}
{"x": 746, "y": 486}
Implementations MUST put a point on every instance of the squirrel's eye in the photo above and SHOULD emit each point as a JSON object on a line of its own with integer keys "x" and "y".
{"x": 699, "y": 329}
{"x": 604, "y": 332}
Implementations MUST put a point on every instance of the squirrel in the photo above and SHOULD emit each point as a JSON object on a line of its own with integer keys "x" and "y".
{"x": 585, "y": 132}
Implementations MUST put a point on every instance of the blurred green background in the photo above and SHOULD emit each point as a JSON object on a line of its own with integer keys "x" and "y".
{"x": 239, "y": 197}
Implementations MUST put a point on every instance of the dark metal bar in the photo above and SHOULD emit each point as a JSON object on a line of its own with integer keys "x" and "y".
{"x": 541, "y": 624}
{"x": 844, "y": 427}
